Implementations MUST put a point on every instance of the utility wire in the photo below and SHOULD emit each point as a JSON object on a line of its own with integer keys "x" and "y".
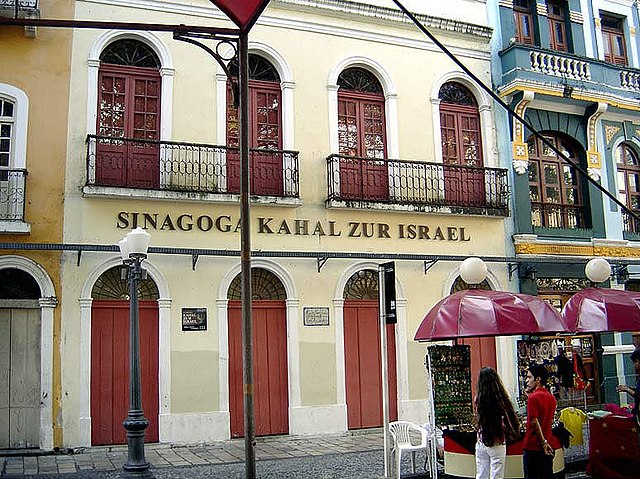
{"x": 499, "y": 100}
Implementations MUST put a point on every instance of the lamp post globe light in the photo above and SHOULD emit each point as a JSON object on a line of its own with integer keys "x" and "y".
{"x": 473, "y": 270}
{"x": 133, "y": 249}
{"x": 597, "y": 270}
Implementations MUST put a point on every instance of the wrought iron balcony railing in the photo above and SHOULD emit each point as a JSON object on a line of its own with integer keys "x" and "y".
{"x": 630, "y": 224}
{"x": 188, "y": 167}
{"x": 12, "y": 194}
{"x": 401, "y": 182}
{"x": 550, "y": 215}
{"x": 532, "y": 63}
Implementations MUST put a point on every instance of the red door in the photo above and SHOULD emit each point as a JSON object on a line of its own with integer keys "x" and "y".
{"x": 265, "y": 134}
{"x": 483, "y": 354}
{"x": 128, "y": 107}
{"x": 462, "y": 155}
{"x": 362, "y": 359}
{"x": 110, "y": 369}
{"x": 361, "y": 133}
{"x": 270, "y": 377}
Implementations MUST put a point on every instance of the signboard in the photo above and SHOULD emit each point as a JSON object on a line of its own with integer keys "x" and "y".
{"x": 194, "y": 319}
{"x": 316, "y": 316}
{"x": 390, "y": 292}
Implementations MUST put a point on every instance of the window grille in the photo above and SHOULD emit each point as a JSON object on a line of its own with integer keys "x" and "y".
{"x": 110, "y": 285}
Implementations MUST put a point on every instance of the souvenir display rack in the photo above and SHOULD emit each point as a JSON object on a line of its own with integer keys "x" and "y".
{"x": 451, "y": 379}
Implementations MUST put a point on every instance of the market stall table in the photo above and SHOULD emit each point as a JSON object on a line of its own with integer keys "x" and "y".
{"x": 460, "y": 462}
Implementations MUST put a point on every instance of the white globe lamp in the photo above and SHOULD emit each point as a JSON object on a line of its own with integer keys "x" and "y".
{"x": 473, "y": 270}
{"x": 597, "y": 270}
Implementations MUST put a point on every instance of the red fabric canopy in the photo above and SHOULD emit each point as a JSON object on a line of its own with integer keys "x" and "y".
{"x": 601, "y": 309}
{"x": 243, "y": 13}
{"x": 476, "y": 312}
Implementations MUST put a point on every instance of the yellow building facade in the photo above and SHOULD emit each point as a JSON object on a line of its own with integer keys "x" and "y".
{"x": 368, "y": 145}
{"x": 34, "y": 94}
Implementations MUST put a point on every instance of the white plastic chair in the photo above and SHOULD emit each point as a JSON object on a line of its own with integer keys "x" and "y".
{"x": 405, "y": 438}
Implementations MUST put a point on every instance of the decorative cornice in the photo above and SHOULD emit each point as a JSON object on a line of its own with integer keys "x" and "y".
{"x": 577, "y": 250}
{"x": 556, "y": 90}
{"x": 385, "y": 13}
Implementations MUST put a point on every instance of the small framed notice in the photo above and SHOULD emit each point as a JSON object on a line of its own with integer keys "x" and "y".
{"x": 316, "y": 316}
{"x": 194, "y": 319}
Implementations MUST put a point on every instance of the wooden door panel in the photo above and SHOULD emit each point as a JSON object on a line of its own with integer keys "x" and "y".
{"x": 271, "y": 389}
{"x": 483, "y": 354}
{"x": 110, "y": 370}
{"x": 5, "y": 367}
{"x": 363, "y": 365}
{"x": 20, "y": 378}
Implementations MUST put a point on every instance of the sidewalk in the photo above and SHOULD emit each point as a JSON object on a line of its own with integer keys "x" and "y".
{"x": 349, "y": 456}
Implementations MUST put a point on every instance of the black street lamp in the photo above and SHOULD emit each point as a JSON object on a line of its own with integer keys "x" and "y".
{"x": 133, "y": 249}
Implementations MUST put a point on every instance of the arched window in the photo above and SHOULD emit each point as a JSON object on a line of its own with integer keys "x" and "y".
{"x": 362, "y": 285}
{"x": 461, "y": 145}
{"x": 265, "y": 128}
{"x": 128, "y": 109}
{"x": 554, "y": 186}
{"x": 362, "y": 136}
{"x": 18, "y": 284}
{"x": 264, "y": 286}
{"x": 628, "y": 166}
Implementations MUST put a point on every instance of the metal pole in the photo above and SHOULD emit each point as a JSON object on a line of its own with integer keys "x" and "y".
{"x": 135, "y": 423}
{"x": 245, "y": 261}
{"x": 384, "y": 370}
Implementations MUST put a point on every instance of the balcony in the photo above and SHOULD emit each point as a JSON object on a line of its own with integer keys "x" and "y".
{"x": 416, "y": 186}
{"x": 522, "y": 63}
{"x": 121, "y": 166}
{"x": 12, "y": 201}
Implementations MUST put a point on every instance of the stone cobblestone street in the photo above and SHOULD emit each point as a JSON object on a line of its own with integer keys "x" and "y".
{"x": 326, "y": 457}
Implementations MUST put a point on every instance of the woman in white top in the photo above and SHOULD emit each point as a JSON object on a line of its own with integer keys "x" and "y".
{"x": 495, "y": 417}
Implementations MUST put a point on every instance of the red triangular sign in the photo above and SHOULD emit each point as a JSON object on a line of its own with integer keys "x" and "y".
{"x": 243, "y": 13}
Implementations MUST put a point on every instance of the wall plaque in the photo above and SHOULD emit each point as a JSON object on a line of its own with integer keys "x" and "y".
{"x": 194, "y": 319}
{"x": 316, "y": 316}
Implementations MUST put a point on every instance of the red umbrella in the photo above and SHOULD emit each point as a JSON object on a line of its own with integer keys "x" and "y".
{"x": 476, "y": 312}
{"x": 601, "y": 309}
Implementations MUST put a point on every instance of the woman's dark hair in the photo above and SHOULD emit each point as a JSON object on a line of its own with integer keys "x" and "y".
{"x": 635, "y": 355}
{"x": 539, "y": 371}
{"x": 493, "y": 408}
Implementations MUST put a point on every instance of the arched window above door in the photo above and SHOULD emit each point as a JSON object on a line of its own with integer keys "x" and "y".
{"x": 461, "y": 285}
{"x": 18, "y": 284}
{"x": 362, "y": 285}
{"x": 110, "y": 285}
{"x": 129, "y": 52}
{"x": 264, "y": 286}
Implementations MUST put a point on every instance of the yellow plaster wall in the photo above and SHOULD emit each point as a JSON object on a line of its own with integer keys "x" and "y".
{"x": 40, "y": 67}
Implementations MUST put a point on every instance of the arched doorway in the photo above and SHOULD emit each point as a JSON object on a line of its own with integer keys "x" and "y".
{"x": 110, "y": 357}
{"x": 271, "y": 382}
{"x": 129, "y": 87}
{"x": 483, "y": 349}
{"x": 20, "y": 375}
{"x": 363, "y": 378}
